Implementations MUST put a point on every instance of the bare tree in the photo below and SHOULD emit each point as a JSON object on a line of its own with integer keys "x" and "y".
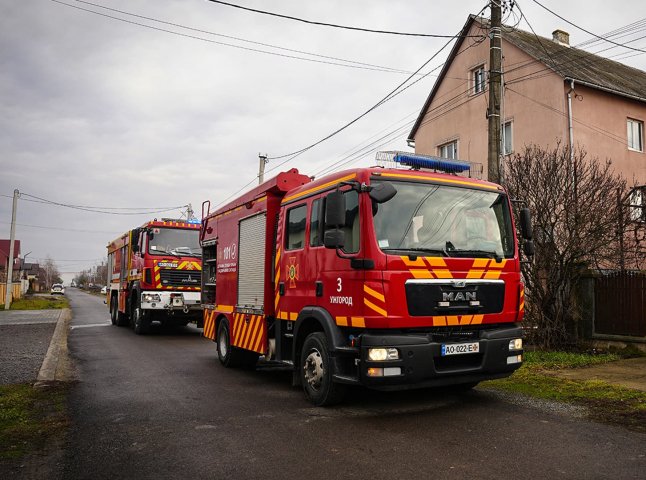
{"x": 49, "y": 272}
{"x": 576, "y": 220}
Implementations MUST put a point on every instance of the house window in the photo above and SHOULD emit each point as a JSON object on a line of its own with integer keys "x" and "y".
{"x": 448, "y": 150}
{"x": 637, "y": 199}
{"x": 635, "y": 135}
{"x": 507, "y": 139}
{"x": 479, "y": 81}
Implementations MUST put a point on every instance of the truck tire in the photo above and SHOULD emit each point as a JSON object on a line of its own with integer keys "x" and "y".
{"x": 119, "y": 319}
{"x": 229, "y": 355}
{"x": 140, "y": 320}
{"x": 316, "y": 373}
{"x": 113, "y": 311}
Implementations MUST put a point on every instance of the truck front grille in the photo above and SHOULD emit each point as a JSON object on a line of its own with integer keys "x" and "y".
{"x": 180, "y": 278}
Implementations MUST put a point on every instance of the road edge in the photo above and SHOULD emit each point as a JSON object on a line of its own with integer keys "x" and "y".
{"x": 57, "y": 364}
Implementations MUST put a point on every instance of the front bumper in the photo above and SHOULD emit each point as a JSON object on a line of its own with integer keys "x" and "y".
{"x": 170, "y": 301}
{"x": 421, "y": 363}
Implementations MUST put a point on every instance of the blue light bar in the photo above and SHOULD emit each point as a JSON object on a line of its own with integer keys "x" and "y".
{"x": 434, "y": 163}
{"x": 194, "y": 221}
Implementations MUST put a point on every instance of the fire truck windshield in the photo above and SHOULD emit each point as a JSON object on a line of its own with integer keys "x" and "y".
{"x": 174, "y": 241}
{"x": 446, "y": 221}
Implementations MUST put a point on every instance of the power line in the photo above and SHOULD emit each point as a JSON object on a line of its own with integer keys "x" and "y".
{"x": 123, "y": 12}
{"x": 62, "y": 229}
{"x": 100, "y": 209}
{"x": 587, "y": 31}
{"x": 345, "y": 27}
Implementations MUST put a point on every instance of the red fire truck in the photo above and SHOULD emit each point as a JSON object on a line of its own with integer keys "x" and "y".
{"x": 155, "y": 274}
{"x": 390, "y": 278}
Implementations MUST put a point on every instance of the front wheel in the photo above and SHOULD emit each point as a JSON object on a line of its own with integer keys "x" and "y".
{"x": 140, "y": 321}
{"x": 316, "y": 372}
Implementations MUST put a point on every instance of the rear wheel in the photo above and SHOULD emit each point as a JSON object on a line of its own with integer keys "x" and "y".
{"x": 229, "y": 355}
{"x": 113, "y": 310}
{"x": 316, "y": 372}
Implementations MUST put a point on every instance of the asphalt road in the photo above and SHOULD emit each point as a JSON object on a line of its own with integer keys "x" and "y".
{"x": 162, "y": 407}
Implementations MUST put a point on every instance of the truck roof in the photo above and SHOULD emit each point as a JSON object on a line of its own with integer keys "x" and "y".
{"x": 122, "y": 239}
{"x": 363, "y": 174}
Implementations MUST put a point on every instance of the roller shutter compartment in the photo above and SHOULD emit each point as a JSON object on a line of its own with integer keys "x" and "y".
{"x": 251, "y": 262}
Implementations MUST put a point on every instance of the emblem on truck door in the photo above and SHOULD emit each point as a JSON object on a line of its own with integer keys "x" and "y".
{"x": 292, "y": 272}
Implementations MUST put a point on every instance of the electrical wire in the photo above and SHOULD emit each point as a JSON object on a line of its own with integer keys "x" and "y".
{"x": 345, "y": 27}
{"x": 587, "y": 31}
{"x": 349, "y": 64}
{"x": 101, "y": 209}
{"x": 62, "y": 229}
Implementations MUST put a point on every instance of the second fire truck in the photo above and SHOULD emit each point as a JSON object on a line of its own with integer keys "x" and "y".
{"x": 154, "y": 275}
{"x": 390, "y": 278}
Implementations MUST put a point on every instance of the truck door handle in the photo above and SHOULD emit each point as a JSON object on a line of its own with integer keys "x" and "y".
{"x": 281, "y": 288}
{"x": 319, "y": 288}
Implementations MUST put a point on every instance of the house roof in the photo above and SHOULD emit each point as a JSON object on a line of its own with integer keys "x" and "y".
{"x": 4, "y": 250}
{"x": 568, "y": 62}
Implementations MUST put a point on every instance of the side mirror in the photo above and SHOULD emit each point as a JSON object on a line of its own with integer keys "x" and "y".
{"x": 526, "y": 224}
{"x": 382, "y": 192}
{"x": 529, "y": 248}
{"x": 334, "y": 238}
{"x": 335, "y": 210}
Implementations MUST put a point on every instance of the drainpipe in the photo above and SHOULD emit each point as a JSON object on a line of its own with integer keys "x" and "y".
{"x": 571, "y": 136}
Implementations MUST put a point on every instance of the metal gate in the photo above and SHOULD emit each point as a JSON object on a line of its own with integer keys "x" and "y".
{"x": 620, "y": 304}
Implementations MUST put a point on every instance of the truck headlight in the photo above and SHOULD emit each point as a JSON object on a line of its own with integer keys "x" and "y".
{"x": 516, "y": 344}
{"x": 383, "y": 354}
{"x": 150, "y": 297}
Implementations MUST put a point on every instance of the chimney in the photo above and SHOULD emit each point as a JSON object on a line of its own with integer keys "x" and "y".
{"x": 561, "y": 37}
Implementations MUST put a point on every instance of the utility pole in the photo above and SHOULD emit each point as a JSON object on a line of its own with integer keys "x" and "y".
{"x": 12, "y": 237}
{"x": 495, "y": 72}
{"x": 262, "y": 159}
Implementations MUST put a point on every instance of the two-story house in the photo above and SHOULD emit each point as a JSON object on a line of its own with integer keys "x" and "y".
{"x": 552, "y": 92}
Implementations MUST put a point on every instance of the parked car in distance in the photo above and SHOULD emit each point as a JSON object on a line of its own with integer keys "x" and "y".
{"x": 104, "y": 290}
{"x": 57, "y": 289}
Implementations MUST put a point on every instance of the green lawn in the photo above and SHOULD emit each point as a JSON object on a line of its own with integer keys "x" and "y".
{"x": 29, "y": 417}
{"x": 31, "y": 302}
{"x": 605, "y": 402}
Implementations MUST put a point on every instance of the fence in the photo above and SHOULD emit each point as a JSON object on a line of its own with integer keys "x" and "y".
{"x": 620, "y": 304}
{"x": 15, "y": 290}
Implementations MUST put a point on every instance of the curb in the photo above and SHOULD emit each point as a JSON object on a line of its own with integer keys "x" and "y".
{"x": 57, "y": 366}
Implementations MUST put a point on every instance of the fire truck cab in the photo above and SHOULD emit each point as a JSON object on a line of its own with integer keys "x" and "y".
{"x": 386, "y": 278}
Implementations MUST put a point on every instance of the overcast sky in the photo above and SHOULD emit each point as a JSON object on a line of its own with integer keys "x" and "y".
{"x": 100, "y": 112}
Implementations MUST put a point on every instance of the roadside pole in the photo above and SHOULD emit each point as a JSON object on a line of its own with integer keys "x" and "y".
{"x": 12, "y": 237}
{"x": 495, "y": 71}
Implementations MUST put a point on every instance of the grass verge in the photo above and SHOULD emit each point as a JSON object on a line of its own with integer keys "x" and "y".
{"x": 39, "y": 303}
{"x": 29, "y": 418}
{"x": 605, "y": 402}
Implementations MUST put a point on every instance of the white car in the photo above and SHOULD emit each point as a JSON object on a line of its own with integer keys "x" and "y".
{"x": 104, "y": 290}
{"x": 57, "y": 289}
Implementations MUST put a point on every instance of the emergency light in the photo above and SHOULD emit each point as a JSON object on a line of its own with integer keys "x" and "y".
{"x": 434, "y": 163}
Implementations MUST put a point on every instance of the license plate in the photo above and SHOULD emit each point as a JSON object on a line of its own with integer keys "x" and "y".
{"x": 460, "y": 348}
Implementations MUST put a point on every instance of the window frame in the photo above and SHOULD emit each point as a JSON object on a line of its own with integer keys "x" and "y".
{"x": 455, "y": 149}
{"x": 511, "y": 137}
{"x": 630, "y": 133}
{"x": 287, "y": 230}
{"x": 478, "y": 80}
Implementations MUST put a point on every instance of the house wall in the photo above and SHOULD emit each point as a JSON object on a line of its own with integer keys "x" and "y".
{"x": 535, "y": 101}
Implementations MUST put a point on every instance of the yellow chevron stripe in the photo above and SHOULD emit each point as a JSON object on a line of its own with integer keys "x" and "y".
{"x": 421, "y": 274}
{"x": 439, "y": 321}
{"x": 320, "y": 187}
{"x": 277, "y": 258}
{"x": 374, "y": 293}
{"x": 444, "y": 273}
{"x": 418, "y": 262}
{"x": 358, "y": 322}
{"x": 224, "y": 308}
{"x": 374, "y": 307}
{"x": 237, "y": 328}
{"x": 342, "y": 321}
{"x": 477, "y": 319}
{"x": 466, "y": 319}
{"x": 452, "y": 320}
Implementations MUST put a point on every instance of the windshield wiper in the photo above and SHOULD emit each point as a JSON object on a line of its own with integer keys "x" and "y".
{"x": 416, "y": 249}
{"x": 466, "y": 253}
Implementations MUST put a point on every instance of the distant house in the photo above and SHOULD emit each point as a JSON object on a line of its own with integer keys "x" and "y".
{"x": 4, "y": 257}
{"x": 552, "y": 92}
{"x": 30, "y": 273}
